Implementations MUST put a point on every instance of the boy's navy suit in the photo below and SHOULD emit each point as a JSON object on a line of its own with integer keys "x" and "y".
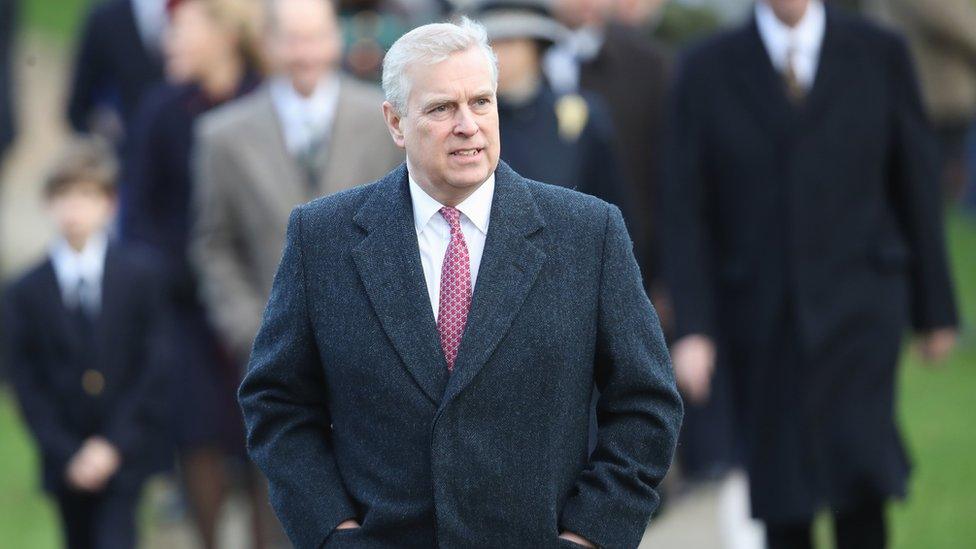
{"x": 105, "y": 374}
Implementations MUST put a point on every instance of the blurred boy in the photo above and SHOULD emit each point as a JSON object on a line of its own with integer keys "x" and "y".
{"x": 84, "y": 341}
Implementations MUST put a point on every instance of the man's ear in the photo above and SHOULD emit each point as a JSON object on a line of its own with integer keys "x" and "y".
{"x": 393, "y": 123}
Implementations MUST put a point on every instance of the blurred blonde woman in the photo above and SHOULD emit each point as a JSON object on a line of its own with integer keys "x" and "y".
{"x": 210, "y": 58}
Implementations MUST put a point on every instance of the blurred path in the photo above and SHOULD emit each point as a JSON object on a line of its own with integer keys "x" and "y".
{"x": 41, "y": 73}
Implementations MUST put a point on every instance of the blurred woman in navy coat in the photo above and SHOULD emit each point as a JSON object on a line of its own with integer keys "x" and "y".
{"x": 209, "y": 50}
{"x": 563, "y": 139}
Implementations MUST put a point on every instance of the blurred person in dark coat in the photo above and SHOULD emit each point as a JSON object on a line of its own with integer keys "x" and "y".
{"x": 562, "y": 139}
{"x": 803, "y": 235}
{"x": 8, "y": 36}
{"x": 310, "y": 131}
{"x": 89, "y": 351}
{"x": 410, "y": 386}
{"x": 621, "y": 65}
{"x": 118, "y": 59}
{"x": 210, "y": 52}
{"x": 942, "y": 37}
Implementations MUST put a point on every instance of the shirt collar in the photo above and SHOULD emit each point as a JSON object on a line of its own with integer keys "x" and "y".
{"x": 317, "y": 110}
{"x": 89, "y": 263}
{"x": 477, "y": 207}
{"x": 151, "y": 19}
{"x": 320, "y": 103}
{"x": 586, "y": 42}
{"x": 806, "y": 36}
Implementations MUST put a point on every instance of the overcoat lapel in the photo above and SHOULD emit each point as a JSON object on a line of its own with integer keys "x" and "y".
{"x": 54, "y": 307}
{"x": 343, "y": 144}
{"x": 509, "y": 267}
{"x": 111, "y": 289}
{"x": 833, "y": 70}
{"x": 281, "y": 181}
{"x": 760, "y": 83}
{"x": 388, "y": 260}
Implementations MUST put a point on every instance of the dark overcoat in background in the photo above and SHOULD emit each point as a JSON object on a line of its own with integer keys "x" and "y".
{"x": 112, "y": 65}
{"x": 630, "y": 73}
{"x": 128, "y": 345}
{"x": 351, "y": 411}
{"x": 805, "y": 239}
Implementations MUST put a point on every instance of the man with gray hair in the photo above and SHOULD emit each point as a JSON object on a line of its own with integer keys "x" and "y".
{"x": 424, "y": 368}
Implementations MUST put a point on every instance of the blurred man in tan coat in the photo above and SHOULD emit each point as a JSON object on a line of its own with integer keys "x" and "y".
{"x": 310, "y": 131}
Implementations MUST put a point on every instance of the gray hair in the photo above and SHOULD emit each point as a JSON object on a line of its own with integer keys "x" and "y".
{"x": 431, "y": 44}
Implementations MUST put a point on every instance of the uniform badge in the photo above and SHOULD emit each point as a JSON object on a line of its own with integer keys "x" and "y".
{"x": 572, "y": 114}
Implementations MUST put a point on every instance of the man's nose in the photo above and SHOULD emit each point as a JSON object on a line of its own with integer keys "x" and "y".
{"x": 464, "y": 123}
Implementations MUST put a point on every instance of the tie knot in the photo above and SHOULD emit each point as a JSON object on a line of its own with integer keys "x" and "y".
{"x": 453, "y": 217}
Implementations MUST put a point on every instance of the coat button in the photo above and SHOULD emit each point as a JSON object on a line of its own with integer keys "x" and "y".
{"x": 93, "y": 382}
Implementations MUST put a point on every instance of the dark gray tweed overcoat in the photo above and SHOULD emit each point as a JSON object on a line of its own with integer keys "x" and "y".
{"x": 351, "y": 412}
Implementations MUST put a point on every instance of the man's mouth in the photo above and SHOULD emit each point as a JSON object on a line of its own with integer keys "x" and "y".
{"x": 468, "y": 152}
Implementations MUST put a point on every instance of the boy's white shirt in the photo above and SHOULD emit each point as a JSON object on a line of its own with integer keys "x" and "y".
{"x": 71, "y": 265}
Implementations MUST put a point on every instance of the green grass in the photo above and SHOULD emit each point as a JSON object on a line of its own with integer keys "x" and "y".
{"x": 936, "y": 413}
{"x": 58, "y": 19}
{"x": 27, "y": 518}
{"x": 937, "y": 416}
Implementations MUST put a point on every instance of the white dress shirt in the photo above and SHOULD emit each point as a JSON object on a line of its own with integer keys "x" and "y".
{"x": 151, "y": 22}
{"x": 561, "y": 62}
{"x": 305, "y": 120}
{"x": 434, "y": 233}
{"x": 71, "y": 266}
{"x": 802, "y": 41}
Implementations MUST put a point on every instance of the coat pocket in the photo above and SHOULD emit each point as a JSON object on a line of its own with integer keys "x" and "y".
{"x": 890, "y": 257}
{"x": 566, "y": 544}
{"x": 345, "y": 537}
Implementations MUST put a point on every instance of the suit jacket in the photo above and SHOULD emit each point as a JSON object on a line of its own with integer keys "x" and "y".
{"x": 112, "y": 65}
{"x": 52, "y": 362}
{"x": 8, "y": 31}
{"x": 247, "y": 183}
{"x": 351, "y": 412}
{"x": 805, "y": 239}
{"x": 942, "y": 36}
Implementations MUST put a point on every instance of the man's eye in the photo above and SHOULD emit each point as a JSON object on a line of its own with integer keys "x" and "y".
{"x": 439, "y": 108}
{"x": 484, "y": 101}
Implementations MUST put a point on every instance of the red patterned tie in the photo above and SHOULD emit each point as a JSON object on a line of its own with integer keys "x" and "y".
{"x": 455, "y": 297}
